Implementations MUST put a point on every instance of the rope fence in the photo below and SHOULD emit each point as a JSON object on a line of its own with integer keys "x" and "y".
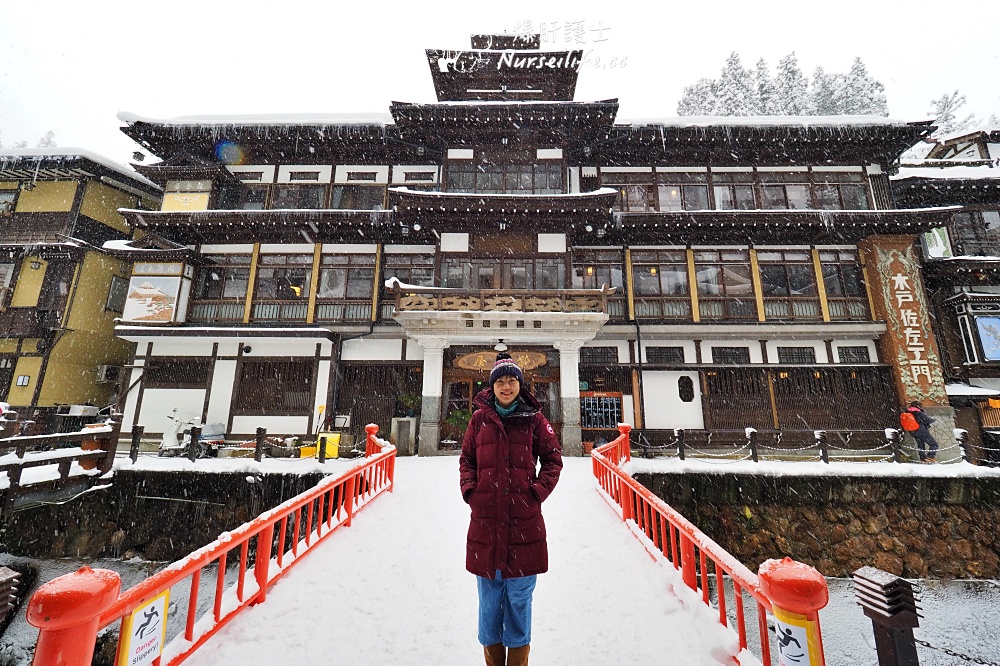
{"x": 729, "y": 446}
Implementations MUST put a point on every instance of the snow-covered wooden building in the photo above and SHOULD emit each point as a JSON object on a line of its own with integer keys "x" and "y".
{"x": 962, "y": 273}
{"x": 707, "y": 274}
{"x": 60, "y": 293}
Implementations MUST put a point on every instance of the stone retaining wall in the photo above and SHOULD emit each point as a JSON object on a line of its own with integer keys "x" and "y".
{"x": 914, "y": 527}
{"x": 158, "y": 516}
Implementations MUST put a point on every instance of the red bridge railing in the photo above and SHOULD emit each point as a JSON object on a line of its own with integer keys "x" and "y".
{"x": 792, "y": 591}
{"x": 71, "y": 609}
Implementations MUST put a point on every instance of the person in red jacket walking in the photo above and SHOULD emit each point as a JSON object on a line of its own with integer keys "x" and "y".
{"x": 507, "y": 436}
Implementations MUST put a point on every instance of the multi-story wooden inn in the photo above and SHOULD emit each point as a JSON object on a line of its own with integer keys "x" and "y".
{"x": 60, "y": 293}
{"x": 704, "y": 274}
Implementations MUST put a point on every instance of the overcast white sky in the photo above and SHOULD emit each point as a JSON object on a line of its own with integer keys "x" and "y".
{"x": 70, "y": 67}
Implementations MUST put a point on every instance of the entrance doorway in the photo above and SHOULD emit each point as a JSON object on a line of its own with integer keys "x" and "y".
{"x": 461, "y": 387}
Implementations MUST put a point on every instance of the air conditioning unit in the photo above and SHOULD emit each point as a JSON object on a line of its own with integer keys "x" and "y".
{"x": 108, "y": 374}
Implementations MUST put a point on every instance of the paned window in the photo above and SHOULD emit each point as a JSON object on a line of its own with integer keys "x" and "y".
{"x": 845, "y": 291}
{"x": 415, "y": 269}
{"x": 498, "y": 176}
{"x": 297, "y": 197}
{"x": 284, "y": 277}
{"x": 594, "y": 268}
{"x": 503, "y": 273}
{"x": 358, "y": 197}
{"x": 725, "y": 288}
{"x": 117, "y": 294}
{"x": 176, "y": 372}
{"x": 348, "y": 276}
{"x": 788, "y": 284}
{"x": 733, "y": 190}
{"x": 241, "y": 197}
{"x": 6, "y": 276}
{"x": 636, "y": 191}
{"x": 224, "y": 277}
{"x": 8, "y": 200}
{"x": 841, "y": 191}
{"x": 660, "y": 281}
{"x": 731, "y": 355}
{"x": 599, "y": 355}
{"x": 664, "y": 354}
{"x": 796, "y": 355}
{"x": 785, "y": 190}
{"x": 282, "y": 287}
{"x": 682, "y": 191}
{"x": 858, "y": 354}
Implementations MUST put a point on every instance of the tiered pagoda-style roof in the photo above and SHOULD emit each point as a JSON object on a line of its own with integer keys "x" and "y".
{"x": 502, "y": 68}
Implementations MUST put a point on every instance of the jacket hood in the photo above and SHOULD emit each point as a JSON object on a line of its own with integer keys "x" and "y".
{"x": 527, "y": 404}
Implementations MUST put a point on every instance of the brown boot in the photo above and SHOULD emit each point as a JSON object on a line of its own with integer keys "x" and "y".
{"x": 518, "y": 656}
{"x": 496, "y": 655}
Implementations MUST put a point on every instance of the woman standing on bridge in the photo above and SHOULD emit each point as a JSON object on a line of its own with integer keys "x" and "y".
{"x": 507, "y": 436}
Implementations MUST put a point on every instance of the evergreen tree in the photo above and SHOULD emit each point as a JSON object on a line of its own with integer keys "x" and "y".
{"x": 740, "y": 92}
{"x": 792, "y": 87}
{"x": 945, "y": 111}
{"x": 698, "y": 99}
{"x": 827, "y": 94}
{"x": 736, "y": 92}
{"x": 47, "y": 141}
{"x": 766, "y": 94}
{"x": 862, "y": 94}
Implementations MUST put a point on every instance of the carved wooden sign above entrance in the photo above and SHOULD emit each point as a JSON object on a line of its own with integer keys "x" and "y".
{"x": 483, "y": 361}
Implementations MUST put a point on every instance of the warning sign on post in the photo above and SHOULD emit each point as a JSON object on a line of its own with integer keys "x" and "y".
{"x": 796, "y": 645}
{"x": 144, "y": 632}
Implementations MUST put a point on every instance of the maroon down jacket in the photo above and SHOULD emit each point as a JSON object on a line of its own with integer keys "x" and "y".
{"x": 499, "y": 482}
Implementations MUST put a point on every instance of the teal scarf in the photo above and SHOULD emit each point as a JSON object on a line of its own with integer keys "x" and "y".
{"x": 504, "y": 412}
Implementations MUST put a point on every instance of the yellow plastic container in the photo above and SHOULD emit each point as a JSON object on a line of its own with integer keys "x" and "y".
{"x": 331, "y": 442}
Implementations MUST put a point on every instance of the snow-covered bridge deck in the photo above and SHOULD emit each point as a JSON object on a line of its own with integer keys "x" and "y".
{"x": 392, "y": 589}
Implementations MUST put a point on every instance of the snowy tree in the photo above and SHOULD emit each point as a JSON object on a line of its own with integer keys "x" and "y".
{"x": 698, "y": 99}
{"x": 48, "y": 141}
{"x": 737, "y": 95}
{"x": 20, "y": 144}
{"x": 827, "y": 94}
{"x": 945, "y": 111}
{"x": 766, "y": 95}
{"x": 791, "y": 87}
{"x": 862, "y": 94}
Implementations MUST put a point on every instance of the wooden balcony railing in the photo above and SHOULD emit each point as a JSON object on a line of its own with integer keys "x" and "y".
{"x": 217, "y": 311}
{"x": 848, "y": 308}
{"x": 493, "y": 300}
{"x": 27, "y": 322}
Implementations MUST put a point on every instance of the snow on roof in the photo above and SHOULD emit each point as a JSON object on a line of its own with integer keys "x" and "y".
{"x": 57, "y": 152}
{"x": 764, "y": 121}
{"x": 946, "y": 170}
{"x": 286, "y": 119}
{"x": 966, "y": 390}
{"x": 604, "y": 191}
{"x": 126, "y": 246}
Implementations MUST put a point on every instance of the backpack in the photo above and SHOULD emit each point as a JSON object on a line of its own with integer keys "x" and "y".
{"x": 908, "y": 421}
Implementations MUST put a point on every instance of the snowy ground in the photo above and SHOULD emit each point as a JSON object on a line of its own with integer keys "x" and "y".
{"x": 392, "y": 589}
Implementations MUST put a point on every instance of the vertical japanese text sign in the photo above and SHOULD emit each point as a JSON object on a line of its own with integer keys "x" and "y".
{"x": 899, "y": 299}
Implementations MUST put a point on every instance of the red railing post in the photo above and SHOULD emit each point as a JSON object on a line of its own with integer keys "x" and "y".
{"x": 626, "y": 451}
{"x": 688, "y": 567}
{"x": 349, "y": 499}
{"x": 371, "y": 445}
{"x": 262, "y": 565}
{"x": 797, "y": 593}
{"x": 67, "y": 610}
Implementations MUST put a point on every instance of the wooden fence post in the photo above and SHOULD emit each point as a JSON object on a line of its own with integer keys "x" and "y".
{"x": 137, "y": 433}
